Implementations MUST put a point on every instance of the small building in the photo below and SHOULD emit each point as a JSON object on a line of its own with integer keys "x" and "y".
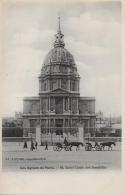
{"x": 117, "y": 129}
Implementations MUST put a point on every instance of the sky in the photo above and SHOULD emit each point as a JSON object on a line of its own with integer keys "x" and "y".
{"x": 92, "y": 33}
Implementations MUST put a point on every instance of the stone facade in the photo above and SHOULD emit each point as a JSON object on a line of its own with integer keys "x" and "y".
{"x": 59, "y": 108}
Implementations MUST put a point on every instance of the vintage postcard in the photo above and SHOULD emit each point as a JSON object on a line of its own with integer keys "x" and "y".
{"x": 61, "y": 100}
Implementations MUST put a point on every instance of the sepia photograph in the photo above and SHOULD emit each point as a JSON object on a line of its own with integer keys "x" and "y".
{"x": 61, "y": 86}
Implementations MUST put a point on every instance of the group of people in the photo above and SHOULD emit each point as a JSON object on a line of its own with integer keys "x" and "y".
{"x": 34, "y": 145}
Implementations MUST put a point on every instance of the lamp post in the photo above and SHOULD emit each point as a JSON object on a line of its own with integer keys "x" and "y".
{"x": 31, "y": 138}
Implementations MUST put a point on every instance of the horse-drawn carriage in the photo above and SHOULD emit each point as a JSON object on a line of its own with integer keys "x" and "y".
{"x": 67, "y": 146}
{"x": 99, "y": 146}
{"x": 60, "y": 146}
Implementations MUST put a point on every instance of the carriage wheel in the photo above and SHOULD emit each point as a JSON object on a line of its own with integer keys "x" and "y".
{"x": 55, "y": 148}
{"x": 67, "y": 148}
{"x": 86, "y": 148}
{"x": 101, "y": 148}
{"x": 97, "y": 148}
{"x": 77, "y": 148}
{"x": 90, "y": 148}
{"x": 59, "y": 149}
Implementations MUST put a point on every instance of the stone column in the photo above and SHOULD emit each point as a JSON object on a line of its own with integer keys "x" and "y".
{"x": 48, "y": 84}
{"x": 38, "y": 134}
{"x": 48, "y": 127}
{"x": 71, "y": 122}
{"x": 53, "y": 104}
{"x": 39, "y": 85}
{"x": 63, "y": 125}
{"x": 49, "y": 104}
{"x": 70, "y": 104}
{"x": 81, "y": 133}
{"x": 63, "y": 104}
{"x": 77, "y": 105}
{"x": 54, "y": 126}
{"x": 88, "y": 128}
{"x": 69, "y": 84}
{"x": 40, "y": 106}
{"x": 40, "y": 129}
{"x": 57, "y": 83}
{"x": 78, "y": 84}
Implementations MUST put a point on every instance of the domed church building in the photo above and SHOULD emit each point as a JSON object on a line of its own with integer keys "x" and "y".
{"x": 58, "y": 110}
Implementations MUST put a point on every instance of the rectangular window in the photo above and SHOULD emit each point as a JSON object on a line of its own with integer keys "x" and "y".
{"x": 66, "y": 103}
{"x": 52, "y": 103}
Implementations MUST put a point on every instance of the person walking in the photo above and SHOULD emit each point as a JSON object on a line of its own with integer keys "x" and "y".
{"x": 32, "y": 146}
{"x": 36, "y": 144}
{"x": 65, "y": 142}
{"x": 25, "y": 144}
{"x": 46, "y": 146}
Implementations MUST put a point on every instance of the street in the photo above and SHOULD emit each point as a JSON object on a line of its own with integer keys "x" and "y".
{"x": 17, "y": 158}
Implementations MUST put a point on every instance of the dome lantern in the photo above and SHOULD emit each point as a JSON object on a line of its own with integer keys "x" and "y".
{"x": 59, "y": 36}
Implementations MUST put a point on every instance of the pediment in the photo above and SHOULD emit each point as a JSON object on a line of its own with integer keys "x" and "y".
{"x": 59, "y": 90}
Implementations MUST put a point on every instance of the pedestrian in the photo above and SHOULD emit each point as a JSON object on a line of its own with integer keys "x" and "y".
{"x": 65, "y": 142}
{"x": 36, "y": 144}
{"x": 25, "y": 144}
{"x": 96, "y": 144}
{"x": 46, "y": 146}
{"x": 32, "y": 146}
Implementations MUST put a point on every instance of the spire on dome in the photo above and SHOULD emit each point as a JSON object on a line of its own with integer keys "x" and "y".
{"x": 59, "y": 29}
{"x": 59, "y": 36}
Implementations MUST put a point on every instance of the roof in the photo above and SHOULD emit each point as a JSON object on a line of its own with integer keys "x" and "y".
{"x": 31, "y": 98}
{"x": 59, "y": 55}
{"x": 87, "y": 98}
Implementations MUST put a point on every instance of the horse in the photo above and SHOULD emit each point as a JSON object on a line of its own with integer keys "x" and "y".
{"x": 109, "y": 144}
{"x": 77, "y": 144}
